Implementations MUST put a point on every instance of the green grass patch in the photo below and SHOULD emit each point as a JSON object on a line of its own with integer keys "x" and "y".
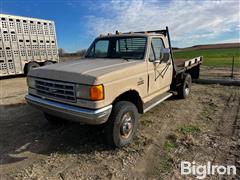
{"x": 213, "y": 57}
{"x": 188, "y": 130}
{"x": 169, "y": 146}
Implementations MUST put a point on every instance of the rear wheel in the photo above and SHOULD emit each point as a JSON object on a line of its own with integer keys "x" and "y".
{"x": 185, "y": 88}
{"x": 30, "y": 66}
{"x": 122, "y": 124}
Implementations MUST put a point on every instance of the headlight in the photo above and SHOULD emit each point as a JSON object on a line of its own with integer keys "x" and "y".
{"x": 31, "y": 82}
{"x": 94, "y": 92}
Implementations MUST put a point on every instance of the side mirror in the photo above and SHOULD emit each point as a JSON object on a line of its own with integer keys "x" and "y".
{"x": 156, "y": 61}
{"x": 164, "y": 54}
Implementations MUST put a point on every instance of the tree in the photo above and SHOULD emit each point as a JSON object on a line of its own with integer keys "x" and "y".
{"x": 81, "y": 52}
{"x": 61, "y": 51}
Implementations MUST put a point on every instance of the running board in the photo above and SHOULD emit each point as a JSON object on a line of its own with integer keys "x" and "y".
{"x": 155, "y": 101}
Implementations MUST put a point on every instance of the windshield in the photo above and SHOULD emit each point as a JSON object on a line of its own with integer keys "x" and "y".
{"x": 118, "y": 47}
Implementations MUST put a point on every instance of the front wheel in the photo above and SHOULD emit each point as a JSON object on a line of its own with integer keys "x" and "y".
{"x": 122, "y": 124}
{"x": 185, "y": 88}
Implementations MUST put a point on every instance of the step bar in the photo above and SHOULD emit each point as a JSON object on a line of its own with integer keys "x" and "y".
{"x": 155, "y": 101}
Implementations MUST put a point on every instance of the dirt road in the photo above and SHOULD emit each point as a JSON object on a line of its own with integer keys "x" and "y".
{"x": 204, "y": 127}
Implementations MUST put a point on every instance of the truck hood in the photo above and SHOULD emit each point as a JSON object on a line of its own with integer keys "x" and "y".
{"x": 85, "y": 71}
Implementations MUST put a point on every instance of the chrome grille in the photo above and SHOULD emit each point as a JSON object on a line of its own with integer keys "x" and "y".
{"x": 56, "y": 89}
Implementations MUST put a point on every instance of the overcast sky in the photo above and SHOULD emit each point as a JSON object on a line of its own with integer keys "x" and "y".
{"x": 190, "y": 22}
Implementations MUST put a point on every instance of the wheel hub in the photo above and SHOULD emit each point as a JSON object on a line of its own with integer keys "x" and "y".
{"x": 187, "y": 89}
{"x": 127, "y": 125}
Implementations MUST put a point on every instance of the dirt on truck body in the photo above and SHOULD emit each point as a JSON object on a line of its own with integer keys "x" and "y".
{"x": 122, "y": 76}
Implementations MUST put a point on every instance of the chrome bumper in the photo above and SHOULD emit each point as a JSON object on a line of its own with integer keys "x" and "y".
{"x": 70, "y": 112}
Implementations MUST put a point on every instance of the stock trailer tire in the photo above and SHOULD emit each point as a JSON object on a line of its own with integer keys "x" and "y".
{"x": 185, "y": 88}
{"x": 122, "y": 124}
{"x": 47, "y": 63}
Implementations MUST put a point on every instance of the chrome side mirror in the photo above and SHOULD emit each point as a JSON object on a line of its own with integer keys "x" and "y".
{"x": 164, "y": 54}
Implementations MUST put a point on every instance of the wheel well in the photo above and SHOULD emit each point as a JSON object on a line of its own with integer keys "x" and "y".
{"x": 133, "y": 97}
{"x": 25, "y": 69}
{"x": 26, "y": 66}
{"x": 194, "y": 72}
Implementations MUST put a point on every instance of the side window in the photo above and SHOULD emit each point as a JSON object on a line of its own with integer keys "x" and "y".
{"x": 151, "y": 55}
{"x": 101, "y": 48}
{"x": 157, "y": 45}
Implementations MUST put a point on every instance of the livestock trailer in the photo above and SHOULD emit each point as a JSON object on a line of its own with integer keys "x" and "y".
{"x": 26, "y": 43}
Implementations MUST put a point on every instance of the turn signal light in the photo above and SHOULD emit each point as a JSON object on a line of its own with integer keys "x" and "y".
{"x": 97, "y": 92}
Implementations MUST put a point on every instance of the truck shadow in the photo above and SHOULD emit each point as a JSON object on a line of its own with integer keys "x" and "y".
{"x": 24, "y": 130}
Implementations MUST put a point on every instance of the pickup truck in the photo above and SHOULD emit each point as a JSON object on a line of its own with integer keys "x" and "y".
{"x": 121, "y": 76}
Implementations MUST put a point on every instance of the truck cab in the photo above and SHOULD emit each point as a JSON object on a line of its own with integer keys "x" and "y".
{"x": 121, "y": 76}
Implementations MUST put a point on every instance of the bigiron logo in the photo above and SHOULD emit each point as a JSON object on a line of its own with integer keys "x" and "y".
{"x": 201, "y": 171}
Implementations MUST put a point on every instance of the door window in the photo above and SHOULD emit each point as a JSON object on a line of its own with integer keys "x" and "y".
{"x": 157, "y": 45}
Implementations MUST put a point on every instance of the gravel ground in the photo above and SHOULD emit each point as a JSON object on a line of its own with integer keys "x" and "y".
{"x": 204, "y": 127}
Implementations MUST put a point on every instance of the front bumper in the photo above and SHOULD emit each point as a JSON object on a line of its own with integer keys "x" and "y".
{"x": 72, "y": 113}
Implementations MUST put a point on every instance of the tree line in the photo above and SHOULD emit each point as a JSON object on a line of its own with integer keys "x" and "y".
{"x": 79, "y": 53}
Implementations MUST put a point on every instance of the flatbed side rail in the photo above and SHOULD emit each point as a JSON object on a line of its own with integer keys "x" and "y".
{"x": 193, "y": 62}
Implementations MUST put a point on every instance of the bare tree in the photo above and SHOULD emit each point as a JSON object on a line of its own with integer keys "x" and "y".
{"x": 81, "y": 52}
{"x": 61, "y": 51}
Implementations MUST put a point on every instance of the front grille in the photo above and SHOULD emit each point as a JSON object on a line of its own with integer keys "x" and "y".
{"x": 56, "y": 89}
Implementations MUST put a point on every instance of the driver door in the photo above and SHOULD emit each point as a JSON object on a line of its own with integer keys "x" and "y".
{"x": 159, "y": 72}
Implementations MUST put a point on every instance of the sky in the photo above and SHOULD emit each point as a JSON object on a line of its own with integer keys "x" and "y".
{"x": 190, "y": 22}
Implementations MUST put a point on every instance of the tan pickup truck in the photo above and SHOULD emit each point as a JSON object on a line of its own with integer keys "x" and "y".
{"x": 122, "y": 75}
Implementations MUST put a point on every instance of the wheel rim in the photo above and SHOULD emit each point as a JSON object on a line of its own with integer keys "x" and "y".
{"x": 187, "y": 89}
{"x": 127, "y": 125}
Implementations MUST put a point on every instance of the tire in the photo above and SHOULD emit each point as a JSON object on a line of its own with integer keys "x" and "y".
{"x": 122, "y": 124}
{"x": 185, "y": 88}
{"x": 53, "y": 119}
{"x": 47, "y": 63}
{"x": 30, "y": 66}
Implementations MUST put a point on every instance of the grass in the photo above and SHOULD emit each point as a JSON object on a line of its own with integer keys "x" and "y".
{"x": 169, "y": 146}
{"x": 213, "y": 57}
{"x": 166, "y": 162}
{"x": 188, "y": 130}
